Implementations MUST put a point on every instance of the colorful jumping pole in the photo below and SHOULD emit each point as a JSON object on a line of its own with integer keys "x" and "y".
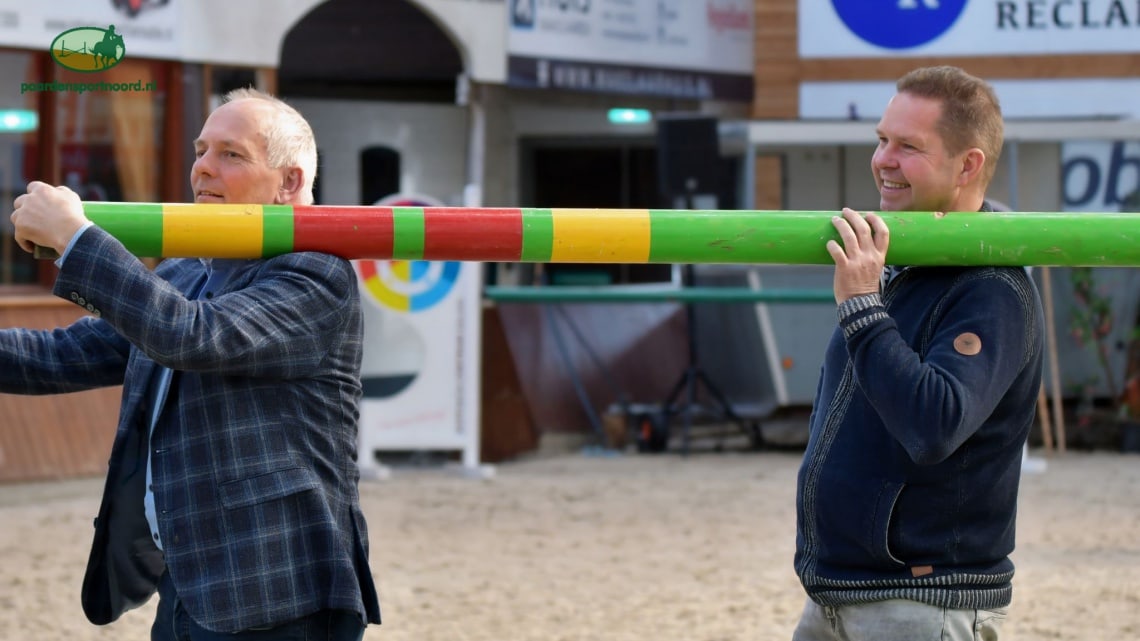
{"x": 611, "y": 235}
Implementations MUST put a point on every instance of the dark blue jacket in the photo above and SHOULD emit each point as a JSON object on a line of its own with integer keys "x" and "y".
{"x": 908, "y": 488}
{"x": 255, "y": 478}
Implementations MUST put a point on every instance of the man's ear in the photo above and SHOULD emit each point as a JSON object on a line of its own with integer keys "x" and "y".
{"x": 973, "y": 161}
{"x": 291, "y": 183}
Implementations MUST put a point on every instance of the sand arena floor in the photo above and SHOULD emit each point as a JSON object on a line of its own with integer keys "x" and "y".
{"x": 620, "y": 548}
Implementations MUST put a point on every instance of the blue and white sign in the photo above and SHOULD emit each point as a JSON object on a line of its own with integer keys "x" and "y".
{"x": 876, "y": 28}
{"x": 1100, "y": 176}
{"x": 898, "y": 24}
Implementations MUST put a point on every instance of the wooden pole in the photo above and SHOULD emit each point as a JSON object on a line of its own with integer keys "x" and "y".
{"x": 1051, "y": 348}
{"x": 1046, "y": 424}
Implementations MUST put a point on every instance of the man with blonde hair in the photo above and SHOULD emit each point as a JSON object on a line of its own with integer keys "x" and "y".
{"x": 907, "y": 493}
{"x": 232, "y": 488}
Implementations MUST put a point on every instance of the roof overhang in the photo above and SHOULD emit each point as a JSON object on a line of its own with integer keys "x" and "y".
{"x": 738, "y": 135}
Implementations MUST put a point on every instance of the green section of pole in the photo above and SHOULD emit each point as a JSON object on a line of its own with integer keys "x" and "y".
{"x": 916, "y": 238}
{"x": 137, "y": 225}
{"x": 407, "y": 233}
{"x": 1013, "y": 238}
{"x": 538, "y": 235}
{"x": 720, "y": 236}
{"x": 277, "y": 230}
{"x": 620, "y": 294}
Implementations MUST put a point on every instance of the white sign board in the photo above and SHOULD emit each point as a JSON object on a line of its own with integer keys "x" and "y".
{"x": 149, "y": 27}
{"x": 1100, "y": 176}
{"x": 1020, "y": 99}
{"x": 698, "y": 49}
{"x": 479, "y": 30}
{"x": 877, "y": 28}
{"x": 421, "y": 356}
{"x": 247, "y": 33}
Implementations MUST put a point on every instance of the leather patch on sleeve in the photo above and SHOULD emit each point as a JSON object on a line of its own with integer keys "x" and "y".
{"x": 968, "y": 344}
{"x": 921, "y": 570}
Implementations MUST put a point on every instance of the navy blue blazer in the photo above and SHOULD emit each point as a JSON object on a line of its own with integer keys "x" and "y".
{"x": 254, "y": 453}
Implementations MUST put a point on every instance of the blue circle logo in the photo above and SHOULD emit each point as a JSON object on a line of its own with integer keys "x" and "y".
{"x": 898, "y": 24}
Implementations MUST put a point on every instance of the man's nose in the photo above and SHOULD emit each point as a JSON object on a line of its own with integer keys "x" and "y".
{"x": 202, "y": 165}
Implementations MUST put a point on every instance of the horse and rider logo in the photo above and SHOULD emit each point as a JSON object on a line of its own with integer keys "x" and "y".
{"x": 88, "y": 49}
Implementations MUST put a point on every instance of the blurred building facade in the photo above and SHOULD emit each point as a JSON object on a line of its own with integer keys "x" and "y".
{"x": 507, "y": 102}
{"x": 478, "y": 102}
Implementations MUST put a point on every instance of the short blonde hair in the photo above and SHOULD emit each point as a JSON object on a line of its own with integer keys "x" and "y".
{"x": 289, "y": 140}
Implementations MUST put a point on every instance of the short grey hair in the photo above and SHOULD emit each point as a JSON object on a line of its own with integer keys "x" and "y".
{"x": 289, "y": 140}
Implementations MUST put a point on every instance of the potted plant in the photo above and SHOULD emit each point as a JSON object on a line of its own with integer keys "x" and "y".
{"x": 1128, "y": 411}
{"x": 1129, "y": 415}
{"x": 1130, "y": 396}
{"x": 1091, "y": 326}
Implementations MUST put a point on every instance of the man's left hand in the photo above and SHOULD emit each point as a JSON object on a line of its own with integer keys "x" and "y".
{"x": 860, "y": 259}
{"x": 47, "y": 216}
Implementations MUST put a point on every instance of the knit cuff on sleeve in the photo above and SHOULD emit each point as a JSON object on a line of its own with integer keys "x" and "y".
{"x": 857, "y": 312}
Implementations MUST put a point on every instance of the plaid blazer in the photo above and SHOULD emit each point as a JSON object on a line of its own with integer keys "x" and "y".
{"x": 253, "y": 455}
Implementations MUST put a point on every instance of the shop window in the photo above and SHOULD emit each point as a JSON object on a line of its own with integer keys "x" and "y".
{"x": 109, "y": 142}
{"x": 19, "y": 121}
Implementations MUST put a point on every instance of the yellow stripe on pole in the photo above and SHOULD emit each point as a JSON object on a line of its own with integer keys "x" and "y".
{"x": 233, "y": 232}
{"x": 600, "y": 236}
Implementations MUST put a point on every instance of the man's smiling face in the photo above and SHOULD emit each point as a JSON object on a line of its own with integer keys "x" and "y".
{"x": 912, "y": 167}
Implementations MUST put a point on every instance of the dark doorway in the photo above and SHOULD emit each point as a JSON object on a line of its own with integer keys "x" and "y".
{"x": 620, "y": 177}
{"x": 379, "y": 173}
{"x": 605, "y": 175}
{"x": 370, "y": 50}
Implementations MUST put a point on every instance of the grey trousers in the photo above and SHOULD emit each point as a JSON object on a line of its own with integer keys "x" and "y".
{"x": 897, "y": 620}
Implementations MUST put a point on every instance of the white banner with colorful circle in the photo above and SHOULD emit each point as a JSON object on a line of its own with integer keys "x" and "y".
{"x": 421, "y": 354}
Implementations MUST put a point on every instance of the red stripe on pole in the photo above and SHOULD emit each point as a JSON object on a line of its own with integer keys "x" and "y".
{"x": 482, "y": 234}
{"x": 344, "y": 231}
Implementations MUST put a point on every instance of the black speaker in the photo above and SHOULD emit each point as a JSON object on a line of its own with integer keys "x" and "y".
{"x": 688, "y": 157}
{"x": 379, "y": 173}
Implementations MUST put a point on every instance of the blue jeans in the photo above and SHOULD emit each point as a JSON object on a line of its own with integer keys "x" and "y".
{"x": 897, "y": 620}
{"x": 172, "y": 623}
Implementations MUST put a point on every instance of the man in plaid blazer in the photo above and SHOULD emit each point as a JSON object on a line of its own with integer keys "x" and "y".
{"x": 232, "y": 487}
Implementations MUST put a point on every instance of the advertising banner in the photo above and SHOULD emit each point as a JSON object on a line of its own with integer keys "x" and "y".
{"x": 421, "y": 354}
{"x": 876, "y": 28}
{"x": 696, "y": 49}
{"x": 1100, "y": 176}
{"x": 148, "y": 27}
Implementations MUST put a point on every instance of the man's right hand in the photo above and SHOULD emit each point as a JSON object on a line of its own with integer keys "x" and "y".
{"x": 860, "y": 259}
{"x": 47, "y": 216}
